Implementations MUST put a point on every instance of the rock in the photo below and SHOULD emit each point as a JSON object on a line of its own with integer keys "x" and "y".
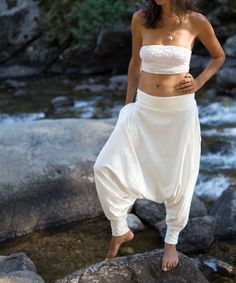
{"x": 149, "y": 211}
{"x": 223, "y": 32}
{"x": 142, "y": 267}
{"x": 197, "y": 208}
{"x": 16, "y": 261}
{"x": 214, "y": 265}
{"x": 153, "y": 212}
{"x": 12, "y": 84}
{"x": 226, "y": 77}
{"x": 216, "y": 144}
{"x": 221, "y": 14}
{"x": 224, "y": 211}
{"x": 118, "y": 82}
{"x": 46, "y": 173}
{"x": 229, "y": 62}
{"x": 18, "y": 268}
{"x": 38, "y": 52}
{"x": 21, "y": 93}
{"x": 24, "y": 49}
{"x": 19, "y": 25}
{"x": 102, "y": 59}
{"x": 211, "y": 93}
{"x": 134, "y": 223}
{"x": 111, "y": 41}
{"x": 59, "y": 104}
{"x": 18, "y": 71}
{"x": 197, "y": 235}
{"x": 3, "y": 6}
{"x": 198, "y": 63}
{"x": 96, "y": 88}
{"x": 230, "y": 46}
{"x": 60, "y": 101}
{"x": 119, "y": 79}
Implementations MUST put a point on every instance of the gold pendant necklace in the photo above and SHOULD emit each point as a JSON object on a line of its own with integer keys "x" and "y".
{"x": 170, "y": 36}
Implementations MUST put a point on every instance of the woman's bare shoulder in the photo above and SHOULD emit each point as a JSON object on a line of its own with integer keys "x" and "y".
{"x": 200, "y": 23}
{"x": 139, "y": 13}
{"x": 138, "y": 16}
{"x": 198, "y": 19}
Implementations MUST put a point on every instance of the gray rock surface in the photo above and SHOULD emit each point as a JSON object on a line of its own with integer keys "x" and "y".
{"x": 224, "y": 211}
{"x": 226, "y": 77}
{"x": 18, "y": 268}
{"x": 46, "y": 173}
{"x": 149, "y": 211}
{"x": 197, "y": 208}
{"x": 143, "y": 267}
{"x": 19, "y": 25}
{"x": 135, "y": 223}
{"x": 197, "y": 235}
{"x": 230, "y": 46}
{"x": 153, "y": 212}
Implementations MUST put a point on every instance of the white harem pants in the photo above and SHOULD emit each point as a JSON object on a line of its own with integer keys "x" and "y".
{"x": 153, "y": 152}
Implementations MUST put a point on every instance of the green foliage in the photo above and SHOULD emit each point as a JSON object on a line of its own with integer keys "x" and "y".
{"x": 80, "y": 20}
{"x": 89, "y": 17}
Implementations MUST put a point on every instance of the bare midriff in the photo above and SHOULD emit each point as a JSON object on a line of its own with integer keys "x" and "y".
{"x": 160, "y": 84}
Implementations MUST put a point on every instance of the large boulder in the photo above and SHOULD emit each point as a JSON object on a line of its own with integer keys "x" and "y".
{"x": 24, "y": 50}
{"x": 152, "y": 212}
{"x": 197, "y": 235}
{"x": 19, "y": 25}
{"x": 18, "y": 268}
{"x": 142, "y": 267}
{"x": 149, "y": 211}
{"x": 46, "y": 173}
{"x": 226, "y": 77}
{"x": 109, "y": 42}
{"x": 224, "y": 211}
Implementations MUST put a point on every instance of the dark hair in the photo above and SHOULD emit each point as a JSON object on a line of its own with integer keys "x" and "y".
{"x": 153, "y": 11}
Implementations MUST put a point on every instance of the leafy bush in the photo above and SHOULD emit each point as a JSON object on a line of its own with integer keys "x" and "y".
{"x": 81, "y": 20}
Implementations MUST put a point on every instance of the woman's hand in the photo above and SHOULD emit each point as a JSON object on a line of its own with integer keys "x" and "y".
{"x": 188, "y": 84}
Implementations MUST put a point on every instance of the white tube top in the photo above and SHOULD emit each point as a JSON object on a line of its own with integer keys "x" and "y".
{"x": 165, "y": 59}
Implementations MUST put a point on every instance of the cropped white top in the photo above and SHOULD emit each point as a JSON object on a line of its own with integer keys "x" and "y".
{"x": 165, "y": 59}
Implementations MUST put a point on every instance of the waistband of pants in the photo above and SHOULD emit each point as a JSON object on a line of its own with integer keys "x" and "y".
{"x": 165, "y": 103}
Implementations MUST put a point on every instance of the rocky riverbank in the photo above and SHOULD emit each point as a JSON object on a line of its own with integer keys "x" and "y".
{"x": 30, "y": 52}
{"x": 47, "y": 180}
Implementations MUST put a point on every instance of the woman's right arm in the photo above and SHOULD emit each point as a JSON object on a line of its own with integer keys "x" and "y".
{"x": 134, "y": 67}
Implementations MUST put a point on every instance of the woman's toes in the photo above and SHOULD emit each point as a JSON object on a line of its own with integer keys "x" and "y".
{"x": 164, "y": 266}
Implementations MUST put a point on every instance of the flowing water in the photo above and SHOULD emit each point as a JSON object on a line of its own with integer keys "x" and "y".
{"x": 61, "y": 250}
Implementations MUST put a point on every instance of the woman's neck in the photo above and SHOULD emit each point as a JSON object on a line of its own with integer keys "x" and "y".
{"x": 168, "y": 11}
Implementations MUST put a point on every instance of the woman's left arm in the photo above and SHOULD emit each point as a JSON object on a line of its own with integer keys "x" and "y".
{"x": 206, "y": 35}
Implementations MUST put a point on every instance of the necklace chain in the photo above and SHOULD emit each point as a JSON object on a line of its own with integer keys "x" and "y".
{"x": 170, "y": 36}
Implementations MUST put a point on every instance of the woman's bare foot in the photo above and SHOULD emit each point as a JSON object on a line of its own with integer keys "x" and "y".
{"x": 170, "y": 258}
{"x": 116, "y": 242}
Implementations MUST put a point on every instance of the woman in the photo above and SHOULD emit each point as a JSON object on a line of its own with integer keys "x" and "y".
{"x": 154, "y": 149}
